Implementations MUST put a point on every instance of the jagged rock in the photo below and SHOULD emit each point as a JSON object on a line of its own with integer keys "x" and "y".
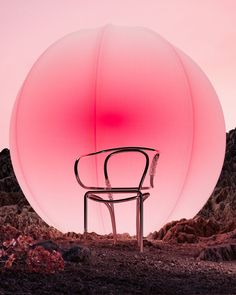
{"x": 76, "y": 254}
{"x": 186, "y": 231}
{"x": 8, "y": 232}
{"x": 8, "y": 184}
{"x": 42, "y": 261}
{"x": 10, "y": 191}
{"x": 12, "y": 199}
{"x": 8, "y": 181}
{"x": 47, "y": 245}
{"x": 224, "y": 252}
{"x": 27, "y": 222}
{"x": 73, "y": 235}
{"x": 159, "y": 235}
{"x": 219, "y": 238}
{"x": 221, "y": 206}
{"x": 72, "y": 253}
{"x": 5, "y": 164}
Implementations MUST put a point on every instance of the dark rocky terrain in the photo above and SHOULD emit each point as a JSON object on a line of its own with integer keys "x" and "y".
{"x": 221, "y": 206}
{"x": 195, "y": 256}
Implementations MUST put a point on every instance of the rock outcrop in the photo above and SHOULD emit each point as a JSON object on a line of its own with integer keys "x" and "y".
{"x": 16, "y": 214}
{"x": 10, "y": 191}
{"x": 221, "y": 206}
{"x": 223, "y": 252}
{"x": 219, "y": 213}
{"x": 186, "y": 231}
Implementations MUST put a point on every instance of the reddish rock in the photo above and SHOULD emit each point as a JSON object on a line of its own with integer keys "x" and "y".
{"x": 221, "y": 206}
{"x": 224, "y": 252}
{"x": 186, "y": 231}
{"x": 8, "y": 232}
{"x": 42, "y": 261}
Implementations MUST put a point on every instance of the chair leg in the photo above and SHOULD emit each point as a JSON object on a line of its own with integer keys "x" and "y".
{"x": 141, "y": 223}
{"x": 113, "y": 221}
{"x": 137, "y": 222}
{"x": 111, "y": 211}
{"x": 85, "y": 216}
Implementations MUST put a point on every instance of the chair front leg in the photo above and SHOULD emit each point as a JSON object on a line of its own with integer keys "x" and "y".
{"x": 138, "y": 223}
{"x": 113, "y": 221}
{"x": 112, "y": 215}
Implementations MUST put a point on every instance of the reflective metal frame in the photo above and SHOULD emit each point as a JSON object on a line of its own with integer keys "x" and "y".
{"x": 139, "y": 196}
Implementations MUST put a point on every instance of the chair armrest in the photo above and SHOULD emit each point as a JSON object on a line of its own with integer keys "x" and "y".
{"x": 76, "y": 171}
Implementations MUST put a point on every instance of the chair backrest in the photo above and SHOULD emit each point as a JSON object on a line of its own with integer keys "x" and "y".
{"x": 114, "y": 152}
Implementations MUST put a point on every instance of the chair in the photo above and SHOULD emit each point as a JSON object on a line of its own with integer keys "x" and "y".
{"x": 94, "y": 193}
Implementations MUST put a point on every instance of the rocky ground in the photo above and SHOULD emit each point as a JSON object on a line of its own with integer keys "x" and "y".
{"x": 99, "y": 267}
{"x": 196, "y": 256}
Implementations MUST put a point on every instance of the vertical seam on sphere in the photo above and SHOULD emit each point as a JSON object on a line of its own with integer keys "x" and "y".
{"x": 193, "y": 126}
{"x": 97, "y": 70}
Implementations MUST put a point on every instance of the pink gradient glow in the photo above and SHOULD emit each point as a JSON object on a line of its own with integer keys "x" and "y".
{"x": 109, "y": 87}
{"x": 205, "y": 30}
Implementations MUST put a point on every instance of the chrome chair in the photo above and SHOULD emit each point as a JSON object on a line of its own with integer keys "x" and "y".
{"x": 94, "y": 193}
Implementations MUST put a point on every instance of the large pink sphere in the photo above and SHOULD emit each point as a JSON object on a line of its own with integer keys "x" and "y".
{"x": 110, "y": 87}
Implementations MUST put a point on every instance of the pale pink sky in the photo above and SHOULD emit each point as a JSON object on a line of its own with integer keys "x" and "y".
{"x": 204, "y": 29}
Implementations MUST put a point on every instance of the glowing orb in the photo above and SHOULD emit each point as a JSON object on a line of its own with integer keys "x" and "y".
{"x": 109, "y": 87}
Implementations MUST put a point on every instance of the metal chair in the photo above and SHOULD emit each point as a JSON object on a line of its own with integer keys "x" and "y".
{"x": 94, "y": 193}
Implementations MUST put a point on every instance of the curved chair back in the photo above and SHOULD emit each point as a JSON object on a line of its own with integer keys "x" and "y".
{"x": 116, "y": 151}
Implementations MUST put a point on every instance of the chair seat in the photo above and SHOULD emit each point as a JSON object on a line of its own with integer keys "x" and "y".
{"x": 97, "y": 198}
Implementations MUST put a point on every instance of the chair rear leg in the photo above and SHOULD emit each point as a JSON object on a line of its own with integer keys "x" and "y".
{"x": 137, "y": 222}
{"x": 141, "y": 223}
{"x": 85, "y": 216}
{"x": 114, "y": 226}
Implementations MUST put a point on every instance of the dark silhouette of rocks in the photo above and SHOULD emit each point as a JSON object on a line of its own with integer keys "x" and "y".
{"x": 76, "y": 254}
{"x": 25, "y": 221}
{"x": 214, "y": 227}
{"x": 15, "y": 211}
{"x": 186, "y": 231}
{"x": 217, "y": 216}
{"x": 47, "y": 245}
{"x": 10, "y": 191}
{"x": 224, "y": 252}
{"x": 221, "y": 206}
